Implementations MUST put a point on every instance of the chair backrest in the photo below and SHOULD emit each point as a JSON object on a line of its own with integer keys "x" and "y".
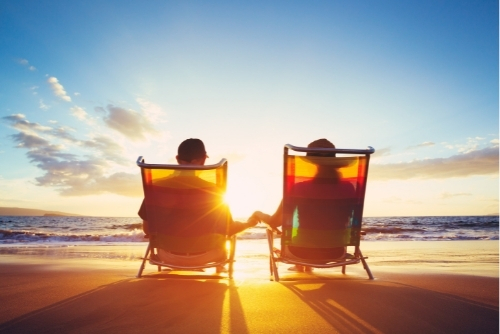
{"x": 185, "y": 205}
{"x": 323, "y": 197}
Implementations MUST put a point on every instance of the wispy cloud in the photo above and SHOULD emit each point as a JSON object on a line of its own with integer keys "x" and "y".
{"x": 70, "y": 173}
{"x": 424, "y": 144}
{"x": 134, "y": 125}
{"x": 382, "y": 152}
{"x": 43, "y": 106}
{"x": 58, "y": 89}
{"x": 472, "y": 144}
{"x": 26, "y": 63}
{"x": 476, "y": 162}
{"x": 19, "y": 122}
{"x": 447, "y": 195}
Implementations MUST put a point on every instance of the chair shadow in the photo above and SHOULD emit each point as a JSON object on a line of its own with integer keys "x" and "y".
{"x": 362, "y": 306}
{"x": 155, "y": 303}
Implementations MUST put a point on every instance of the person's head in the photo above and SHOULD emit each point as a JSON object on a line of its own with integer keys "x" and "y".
{"x": 321, "y": 143}
{"x": 191, "y": 152}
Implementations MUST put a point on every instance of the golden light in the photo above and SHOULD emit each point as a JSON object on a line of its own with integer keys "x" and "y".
{"x": 241, "y": 198}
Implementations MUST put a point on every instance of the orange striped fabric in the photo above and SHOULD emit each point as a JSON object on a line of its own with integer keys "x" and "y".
{"x": 186, "y": 203}
{"x": 323, "y": 200}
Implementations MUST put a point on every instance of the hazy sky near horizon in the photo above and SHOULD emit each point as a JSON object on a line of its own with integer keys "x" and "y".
{"x": 88, "y": 86}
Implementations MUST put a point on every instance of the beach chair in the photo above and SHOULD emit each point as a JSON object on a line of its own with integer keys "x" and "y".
{"x": 187, "y": 219}
{"x": 323, "y": 199}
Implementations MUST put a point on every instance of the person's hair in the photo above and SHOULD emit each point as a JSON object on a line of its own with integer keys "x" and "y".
{"x": 321, "y": 143}
{"x": 191, "y": 149}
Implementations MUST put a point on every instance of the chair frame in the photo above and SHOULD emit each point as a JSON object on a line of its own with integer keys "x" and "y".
{"x": 149, "y": 251}
{"x": 275, "y": 254}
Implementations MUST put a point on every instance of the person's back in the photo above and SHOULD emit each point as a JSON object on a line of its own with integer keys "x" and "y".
{"x": 175, "y": 208}
{"x": 185, "y": 205}
{"x": 313, "y": 210}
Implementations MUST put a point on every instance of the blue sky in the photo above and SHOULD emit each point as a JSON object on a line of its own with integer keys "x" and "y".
{"x": 87, "y": 86}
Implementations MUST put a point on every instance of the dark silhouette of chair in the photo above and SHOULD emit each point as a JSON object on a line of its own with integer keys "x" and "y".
{"x": 323, "y": 199}
{"x": 187, "y": 219}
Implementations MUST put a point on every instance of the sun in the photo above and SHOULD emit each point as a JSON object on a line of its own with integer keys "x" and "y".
{"x": 241, "y": 196}
{"x": 240, "y": 203}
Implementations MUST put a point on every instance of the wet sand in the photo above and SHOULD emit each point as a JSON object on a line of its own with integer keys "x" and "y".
{"x": 431, "y": 287}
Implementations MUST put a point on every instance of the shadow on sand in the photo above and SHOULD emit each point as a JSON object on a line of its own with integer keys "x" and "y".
{"x": 159, "y": 302}
{"x": 361, "y": 306}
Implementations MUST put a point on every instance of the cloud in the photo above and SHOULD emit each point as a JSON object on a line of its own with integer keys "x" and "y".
{"x": 424, "y": 144}
{"x": 382, "y": 152}
{"x": 25, "y": 62}
{"x": 63, "y": 132}
{"x": 79, "y": 113}
{"x": 447, "y": 195}
{"x": 106, "y": 148}
{"x": 471, "y": 145}
{"x": 130, "y": 123}
{"x": 86, "y": 177}
{"x": 43, "y": 106}
{"x": 58, "y": 89}
{"x": 19, "y": 122}
{"x": 478, "y": 162}
{"x": 124, "y": 184}
{"x": 29, "y": 141}
{"x": 70, "y": 173}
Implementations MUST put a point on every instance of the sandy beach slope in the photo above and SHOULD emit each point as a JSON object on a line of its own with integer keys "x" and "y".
{"x": 437, "y": 293}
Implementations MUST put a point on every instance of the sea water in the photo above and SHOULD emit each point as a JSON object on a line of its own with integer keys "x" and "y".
{"x": 56, "y": 231}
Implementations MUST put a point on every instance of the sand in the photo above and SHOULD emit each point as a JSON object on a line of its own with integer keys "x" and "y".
{"x": 420, "y": 287}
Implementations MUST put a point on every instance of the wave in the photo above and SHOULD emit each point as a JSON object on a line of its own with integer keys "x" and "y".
{"x": 391, "y": 230}
{"x": 135, "y": 226}
{"x": 112, "y": 230}
{"x": 12, "y": 237}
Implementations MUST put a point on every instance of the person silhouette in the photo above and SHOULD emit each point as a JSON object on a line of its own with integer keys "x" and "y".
{"x": 312, "y": 212}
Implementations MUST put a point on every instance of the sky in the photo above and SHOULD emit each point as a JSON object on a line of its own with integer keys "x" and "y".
{"x": 88, "y": 86}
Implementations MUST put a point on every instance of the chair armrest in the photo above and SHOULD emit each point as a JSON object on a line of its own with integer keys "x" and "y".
{"x": 273, "y": 229}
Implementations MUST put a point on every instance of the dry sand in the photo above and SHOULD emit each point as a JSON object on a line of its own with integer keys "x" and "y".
{"x": 420, "y": 287}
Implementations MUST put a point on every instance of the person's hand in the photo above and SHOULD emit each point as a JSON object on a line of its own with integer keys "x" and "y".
{"x": 252, "y": 221}
{"x": 262, "y": 217}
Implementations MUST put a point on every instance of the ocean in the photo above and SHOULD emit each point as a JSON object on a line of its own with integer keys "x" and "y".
{"x": 54, "y": 231}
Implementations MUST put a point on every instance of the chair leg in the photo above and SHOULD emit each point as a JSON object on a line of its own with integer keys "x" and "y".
{"x": 272, "y": 261}
{"x": 275, "y": 270}
{"x": 141, "y": 268}
{"x": 343, "y": 270}
{"x": 365, "y": 265}
{"x": 231, "y": 257}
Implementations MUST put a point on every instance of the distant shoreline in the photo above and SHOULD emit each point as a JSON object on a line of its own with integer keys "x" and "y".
{"x": 13, "y": 211}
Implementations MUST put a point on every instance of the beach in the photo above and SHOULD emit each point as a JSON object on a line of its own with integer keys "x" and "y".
{"x": 428, "y": 286}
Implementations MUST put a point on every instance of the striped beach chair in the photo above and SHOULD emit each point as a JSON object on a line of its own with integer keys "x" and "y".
{"x": 323, "y": 197}
{"x": 187, "y": 218}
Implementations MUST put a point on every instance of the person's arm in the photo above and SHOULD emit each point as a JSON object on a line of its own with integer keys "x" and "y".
{"x": 237, "y": 227}
{"x": 274, "y": 221}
